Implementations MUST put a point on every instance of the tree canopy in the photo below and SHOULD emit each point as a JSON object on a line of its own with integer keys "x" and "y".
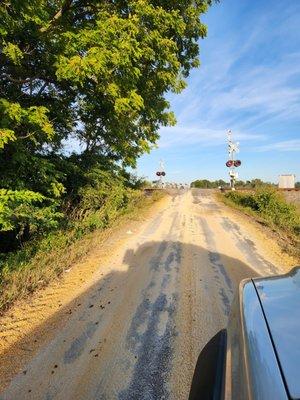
{"x": 96, "y": 71}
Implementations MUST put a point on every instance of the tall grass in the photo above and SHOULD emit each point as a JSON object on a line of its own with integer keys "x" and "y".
{"x": 271, "y": 206}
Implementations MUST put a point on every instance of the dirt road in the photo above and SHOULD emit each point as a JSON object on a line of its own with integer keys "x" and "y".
{"x": 138, "y": 329}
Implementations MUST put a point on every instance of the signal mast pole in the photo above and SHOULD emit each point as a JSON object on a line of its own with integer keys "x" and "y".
{"x": 233, "y": 148}
{"x": 161, "y": 173}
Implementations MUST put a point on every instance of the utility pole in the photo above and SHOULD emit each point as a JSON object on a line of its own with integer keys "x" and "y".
{"x": 233, "y": 148}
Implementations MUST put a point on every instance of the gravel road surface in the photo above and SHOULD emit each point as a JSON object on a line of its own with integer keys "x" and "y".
{"x": 139, "y": 328}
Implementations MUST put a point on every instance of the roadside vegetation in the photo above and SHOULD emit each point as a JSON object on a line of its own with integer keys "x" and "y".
{"x": 47, "y": 256}
{"x": 253, "y": 184}
{"x": 82, "y": 96}
{"x": 271, "y": 208}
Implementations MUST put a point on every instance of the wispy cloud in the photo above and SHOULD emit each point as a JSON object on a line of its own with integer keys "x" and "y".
{"x": 240, "y": 84}
{"x": 286, "y": 145}
{"x": 180, "y": 136}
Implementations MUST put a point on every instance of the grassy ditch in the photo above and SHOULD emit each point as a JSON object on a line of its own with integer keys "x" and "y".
{"x": 270, "y": 208}
{"x": 41, "y": 260}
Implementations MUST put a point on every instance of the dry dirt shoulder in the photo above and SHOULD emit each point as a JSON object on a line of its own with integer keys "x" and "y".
{"x": 268, "y": 241}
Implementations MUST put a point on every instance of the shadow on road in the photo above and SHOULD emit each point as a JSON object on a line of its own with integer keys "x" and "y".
{"x": 136, "y": 310}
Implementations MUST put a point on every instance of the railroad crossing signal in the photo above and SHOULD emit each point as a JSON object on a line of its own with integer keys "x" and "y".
{"x": 232, "y": 163}
{"x": 161, "y": 172}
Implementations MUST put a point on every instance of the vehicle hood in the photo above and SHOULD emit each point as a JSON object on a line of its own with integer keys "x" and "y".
{"x": 280, "y": 300}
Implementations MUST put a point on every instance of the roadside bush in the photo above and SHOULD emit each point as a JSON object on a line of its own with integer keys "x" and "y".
{"x": 244, "y": 200}
{"x": 101, "y": 200}
{"x": 271, "y": 206}
{"x": 24, "y": 208}
{"x": 24, "y": 213}
{"x": 90, "y": 195}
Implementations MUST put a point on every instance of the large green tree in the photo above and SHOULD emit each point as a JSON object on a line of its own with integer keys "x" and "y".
{"x": 94, "y": 70}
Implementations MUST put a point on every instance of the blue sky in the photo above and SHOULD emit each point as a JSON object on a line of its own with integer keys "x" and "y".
{"x": 249, "y": 82}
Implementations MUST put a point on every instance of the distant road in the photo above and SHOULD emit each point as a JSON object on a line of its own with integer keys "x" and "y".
{"x": 139, "y": 329}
